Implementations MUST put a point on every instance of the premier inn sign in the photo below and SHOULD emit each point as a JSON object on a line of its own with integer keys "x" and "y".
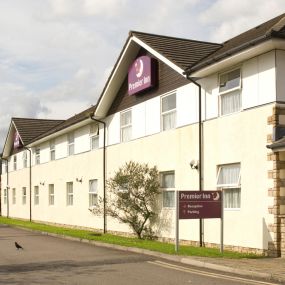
{"x": 142, "y": 74}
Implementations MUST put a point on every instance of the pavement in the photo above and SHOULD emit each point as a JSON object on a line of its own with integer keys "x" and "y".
{"x": 271, "y": 269}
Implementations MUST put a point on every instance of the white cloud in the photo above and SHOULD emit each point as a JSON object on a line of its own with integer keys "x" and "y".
{"x": 56, "y": 55}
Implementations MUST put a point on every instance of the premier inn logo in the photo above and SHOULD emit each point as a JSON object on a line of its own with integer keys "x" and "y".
{"x": 142, "y": 75}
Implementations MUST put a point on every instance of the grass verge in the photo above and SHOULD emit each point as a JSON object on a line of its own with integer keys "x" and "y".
{"x": 162, "y": 247}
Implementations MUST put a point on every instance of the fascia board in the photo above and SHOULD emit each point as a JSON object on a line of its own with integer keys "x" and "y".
{"x": 158, "y": 55}
{"x": 116, "y": 79}
{"x": 8, "y": 141}
{"x": 240, "y": 57}
{"x": 120, "y": 72}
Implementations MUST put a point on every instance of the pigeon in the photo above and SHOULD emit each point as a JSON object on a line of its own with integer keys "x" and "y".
{"x": 18, "y": 246}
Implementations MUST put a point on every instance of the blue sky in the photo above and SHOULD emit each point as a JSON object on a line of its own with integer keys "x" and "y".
{"x": 55, "y": 55}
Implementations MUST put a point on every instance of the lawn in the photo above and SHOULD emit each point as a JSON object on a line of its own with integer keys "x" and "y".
{"x": 162, "y": 247}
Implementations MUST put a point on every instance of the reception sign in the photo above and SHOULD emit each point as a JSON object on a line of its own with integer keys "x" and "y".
{"x": 142, "y": 74}
{"x": 200, "y": 204}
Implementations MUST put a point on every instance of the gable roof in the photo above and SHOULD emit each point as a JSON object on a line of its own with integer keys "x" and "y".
{"x": 67, "y": 123}
{"x": 29, "y": 129}
{"x": 182, "y": 52}
{"x": 270, "y": 29}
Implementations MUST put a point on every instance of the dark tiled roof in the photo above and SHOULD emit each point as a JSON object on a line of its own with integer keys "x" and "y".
{"x": 31, "y": 128}
{"x": 269, "y": 29}
{"x": 67, "y": 123}
{"x": 182, "y": 52}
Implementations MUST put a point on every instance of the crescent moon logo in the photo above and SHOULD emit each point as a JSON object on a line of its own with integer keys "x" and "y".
{"x": 139, "y": 68}
{"x": 216, "y": 196}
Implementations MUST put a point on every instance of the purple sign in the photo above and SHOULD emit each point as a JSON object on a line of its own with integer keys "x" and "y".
{"x": 142, "y": 74}
{"x": 200, "y": 204}
{"x": 17, "y": 140}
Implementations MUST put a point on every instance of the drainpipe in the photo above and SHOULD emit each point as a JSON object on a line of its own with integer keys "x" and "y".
{"x": 200, "y": 152}
{"x": 104, "y": 173}
{"x": 7, "y": 184}
{"x": 30, "y": 178}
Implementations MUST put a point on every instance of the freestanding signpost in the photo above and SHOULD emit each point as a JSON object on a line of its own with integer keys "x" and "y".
{"x": 199, "y": 205}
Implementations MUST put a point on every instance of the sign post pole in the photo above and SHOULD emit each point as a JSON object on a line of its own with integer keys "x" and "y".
{"x": 177, "y": 223}
{"x": 222, "y": 223}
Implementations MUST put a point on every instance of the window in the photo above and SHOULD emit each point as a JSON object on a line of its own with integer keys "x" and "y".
{"x": 38, "y": 155}
{"x": 24, "y": 195}
{"x": 229, "y": 181}
{"x": 126, "y": 126}
{"x": 14, "y": 196}
{"x": 52, "y": 150}
{"x": 94, "y": 136}
{"x": 70, "y": 141}
{"x": 51, "y": 194}
{"x": 93, "y": 192}
{"x": 4, "y": 166}
{"x": 15, "y": 162}
{"x": 25, "y": 159}
{"x": 168, "y": 184}
{"x": 168, "y": 112}
{"x": 230, "y": 92}
{"x": 5, "y": 196}
{"x": 36, "y": 195}
{"x": 69, "y": 193}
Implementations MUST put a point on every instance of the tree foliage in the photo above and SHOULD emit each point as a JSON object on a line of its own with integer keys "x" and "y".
{"x": 132, "y": 195}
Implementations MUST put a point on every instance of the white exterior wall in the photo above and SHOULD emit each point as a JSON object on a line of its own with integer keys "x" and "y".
{"x": 239, "y": 137}
{"x": 280, "y": 75}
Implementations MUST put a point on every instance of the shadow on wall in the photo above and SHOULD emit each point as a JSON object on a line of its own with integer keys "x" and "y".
{"x": 268, "y": 239}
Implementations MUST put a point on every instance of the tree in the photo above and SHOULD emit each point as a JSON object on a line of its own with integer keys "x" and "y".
{"x": 132, "y": 195}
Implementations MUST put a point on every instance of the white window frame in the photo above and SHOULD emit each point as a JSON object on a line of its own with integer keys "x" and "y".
{"x": 25, "y": 159}
{"x": 70, "y": 144}
{"x": 15, "y": 162}
{"x": 36, "y": 195}
{"x": 51, "y": 194}
{"x": 37, "y": 155}
{"x": 52, "y": 150}
{"x": 230, "y": 94}
{"x": 5, "y": 196}
{"x": 13, "y": 196}
{"x": 69, "y": 194}
{"x": 94, "y": 136}
{"x": 93, "y": 193}
{"x": 167, "y": 113}
{"x": 231, "y": 186}
{"x": 166, "y": 191}
{"x": 126, "y": 128}
{"x": 24, "y": 195}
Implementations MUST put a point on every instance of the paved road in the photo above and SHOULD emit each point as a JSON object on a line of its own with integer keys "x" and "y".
{"x": 50, "y": 260}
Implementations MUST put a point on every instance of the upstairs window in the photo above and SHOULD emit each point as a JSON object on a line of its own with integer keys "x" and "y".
{"x": 15, "y": 162}
{"x": 126, "y": 126}
{"x": 167, "y": 183}
{"x": 94, "y": 136}
{"x": 228, "y": 180}
{"x": 25, "y": 159}
{"x": 70, "y": 142}
{"x": 168, "y": 112}
{"x": 230, "y": 92}
{"x": 38, "y": 155}
{"x": 52, "y": 149}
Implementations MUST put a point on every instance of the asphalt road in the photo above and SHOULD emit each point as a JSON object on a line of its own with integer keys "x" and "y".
{"x": 51, "y": 260}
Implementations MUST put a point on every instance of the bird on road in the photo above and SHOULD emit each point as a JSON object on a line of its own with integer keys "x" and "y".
{"x": 18, "y": 246}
